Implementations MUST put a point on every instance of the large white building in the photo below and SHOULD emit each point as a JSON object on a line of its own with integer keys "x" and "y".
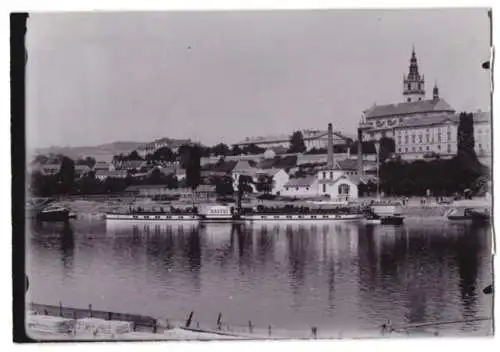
{"x": 421, "y": 126}
{"x": 312, "y": 139}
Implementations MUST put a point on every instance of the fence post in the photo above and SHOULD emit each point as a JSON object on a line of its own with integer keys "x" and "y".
{"x": 60, "y": 309}
{"x": 219, "y": 321}
{"x": 189, "y": 319}
{"x": 90, "y": 310}
{"x": 314, "y": 330}
{"x": 250, "y": 327}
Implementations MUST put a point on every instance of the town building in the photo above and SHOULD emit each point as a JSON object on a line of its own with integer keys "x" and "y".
{"x": 421, "y": 126}
{"x": 103, "y": 165}
{"x": 102, "y": 175}
{"x": 279, "y": 179}
{"x": 312, "y": 139}
{"x": 338, "y": 180}
{"x": 150, "y": 148}
{"x": 419, "y": 138}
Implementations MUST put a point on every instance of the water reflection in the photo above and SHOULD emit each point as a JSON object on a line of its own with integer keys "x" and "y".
{"x": 331, "y": 275}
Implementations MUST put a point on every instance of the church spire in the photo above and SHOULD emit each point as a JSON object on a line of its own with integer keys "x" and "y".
{"x": 413, "y": 83}
{"x": 435, "y": 92}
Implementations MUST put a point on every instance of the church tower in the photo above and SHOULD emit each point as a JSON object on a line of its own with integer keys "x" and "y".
{"x": 413, "y": 84}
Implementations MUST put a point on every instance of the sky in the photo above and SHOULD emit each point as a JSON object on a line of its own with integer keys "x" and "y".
{"x": 95, "y": 78}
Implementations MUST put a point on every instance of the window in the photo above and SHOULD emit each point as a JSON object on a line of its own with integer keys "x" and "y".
{"x": 413, "y": 138}
{"x": 286, "y": 188}
{"x": 427, "y": 148}
{"x": 324, "y": 188}
{"x": 399, "y": 140}
{"x": 406, "y": 150}
{"x": 344, "y": 189}
{"x": 409, "y": 88}
{"x": 408, "y": 100}
{"x": 439, "y": 137}
{"x": 449, "y": 148}
{"x": 420, "y": 139}
{"x": 449, "y": 135}
{"x": 307, "y": 188}
{"x": 427, "y": 138}
{"x": 400, "y": 150}
{"x": 297, "y": 188}
{"x": 439, "y": 146}
{"x": 419, "y": 98}
{"x": 324, "y": 174}
{"x": 331, "y": 175}
{"x": 406, "y": 139}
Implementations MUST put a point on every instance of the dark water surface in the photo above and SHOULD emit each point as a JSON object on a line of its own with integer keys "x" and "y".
{"x": 338, "y": 277}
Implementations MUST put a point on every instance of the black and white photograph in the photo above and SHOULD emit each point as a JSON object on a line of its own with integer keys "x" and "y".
{"x": 259, "y": 175}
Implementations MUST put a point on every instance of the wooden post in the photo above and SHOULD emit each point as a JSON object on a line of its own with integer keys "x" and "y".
{"x": 60, "y": 309}
{"x": 269, "y": 330}
{"x": 219, "y": 321}
{"x": 90, "y": 310}
{"x": 314, "y": 330}
{"x": 250, "y": 327}
{"x": 190, "y": 318}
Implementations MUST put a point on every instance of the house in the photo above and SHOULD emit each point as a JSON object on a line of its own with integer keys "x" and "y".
{"x": 301, "y": 187}
{"x": 103, "y": 165}
{"x": 243, "y": 168}
{"x": 205, "y": 192}
{"x": 337, "y": 184}
{"x": 103, "y": 174}
{"x": 279, "y": 176}
{"x": 82, "y": 170}
{"x": 131, "y": 165}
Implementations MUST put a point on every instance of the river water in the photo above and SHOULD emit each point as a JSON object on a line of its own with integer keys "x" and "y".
{"x": 337, "y": 277}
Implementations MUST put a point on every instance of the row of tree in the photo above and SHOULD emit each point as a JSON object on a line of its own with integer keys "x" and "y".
{"x": 440, "y": 177}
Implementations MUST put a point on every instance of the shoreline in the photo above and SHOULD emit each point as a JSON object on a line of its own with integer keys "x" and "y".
{"x": 95, "y": 208}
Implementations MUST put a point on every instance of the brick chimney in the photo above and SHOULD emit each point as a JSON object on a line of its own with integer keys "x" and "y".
{"x": 360, "y": 152}
{"x": 331, "y": 157}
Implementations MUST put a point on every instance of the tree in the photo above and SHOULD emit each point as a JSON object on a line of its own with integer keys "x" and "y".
{"x": 465, "y": 135}
{"x": 264, "y": 183}
{"x": 224, "y": 186}
{"x": 164, "y": 154}
{"x": 387, "y": 147}
{"x": 66, "y": 175}
{"x": 220, "y": 149}
{"x": 236, "y": 150}
{"x": 41, "y": 159}
{"x": 297, "y": 144}
{"x": 193, "y": 167}
{"x": 134, "y": 155}
{"x": 253, "y": 149}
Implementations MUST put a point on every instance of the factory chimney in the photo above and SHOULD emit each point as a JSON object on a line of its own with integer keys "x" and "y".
{"x": 331, "y": 157}
{"x": 360, "y": 152}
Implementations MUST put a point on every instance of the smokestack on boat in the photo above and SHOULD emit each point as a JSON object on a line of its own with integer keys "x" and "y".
{"x": 360, "y": 152}
{"x": 330, "y": 161}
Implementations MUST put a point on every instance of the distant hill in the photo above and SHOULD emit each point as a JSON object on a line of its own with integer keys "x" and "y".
{"x": 103, "y": 152}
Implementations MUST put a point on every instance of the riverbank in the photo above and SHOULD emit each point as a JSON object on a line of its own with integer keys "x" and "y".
{"x": 96, "y": 208}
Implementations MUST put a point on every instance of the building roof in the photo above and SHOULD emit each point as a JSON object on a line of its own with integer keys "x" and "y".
{"x": 132, "y": 164}
{"x": 301, "y": 182}
{"x": 244, "y": 167}
{"x": 270, "y": 172}
{"x": 442, "y": 119}
{"x": 353, "y": 179}
{"x": 408, "y": 108}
